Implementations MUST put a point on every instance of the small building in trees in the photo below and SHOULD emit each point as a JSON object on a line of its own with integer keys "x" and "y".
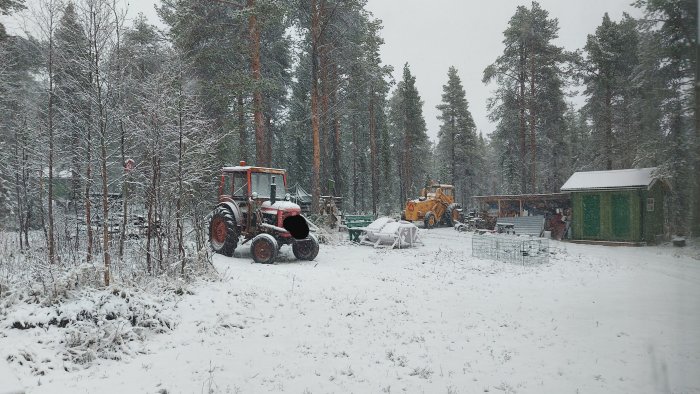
{"x": 617, "y": 205}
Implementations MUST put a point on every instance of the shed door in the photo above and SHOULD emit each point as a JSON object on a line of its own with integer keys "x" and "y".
{"x": 620, "y": 216}
{"x": 591, "y": 215}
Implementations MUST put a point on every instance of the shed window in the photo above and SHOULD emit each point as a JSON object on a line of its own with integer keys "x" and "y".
{"x": 650, "y": 204}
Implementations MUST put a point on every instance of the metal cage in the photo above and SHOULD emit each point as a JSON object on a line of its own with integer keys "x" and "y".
{"x": 514, "y": 249}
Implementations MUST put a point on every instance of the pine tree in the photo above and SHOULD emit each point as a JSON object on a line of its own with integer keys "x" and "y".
{"x": 671, "y": 30}
{"x": 611, "y": 54}
{"x": 457, "y": 136}
{"x": 410, "y": 138}
{"x": 530, "y": 79}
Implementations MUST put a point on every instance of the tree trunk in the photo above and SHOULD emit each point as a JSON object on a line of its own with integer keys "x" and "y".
{"x": 373, "y": 150}
{"x": 51, "y": 241}
{"x": 103, "y": 151}
{"x": 88, "y": 203}
{"x": 315, "y": 169}
{"x": 180, "y": 189}
{"x": 18, "y": 180}
{"x": 242, "y": 137}
{"x": 453, "y": 159}
{"x": 269, "y": 138}
{"x": 254, "y": 36}
{"x": 336, "y": 132}
{"x": 122, "y": 139}
{"x": 522, "y": 131}
{"x": 355, "y": 154}
{"x": 150, "y": 224}
{"x": 533, "y": 137}
{"x": 608, "y": 129}
{"x": 695, "y": 226}
{"x": 324, "y": 115}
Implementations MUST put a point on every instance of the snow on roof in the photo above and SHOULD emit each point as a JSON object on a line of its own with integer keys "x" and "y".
{"x": 611, "y": 179}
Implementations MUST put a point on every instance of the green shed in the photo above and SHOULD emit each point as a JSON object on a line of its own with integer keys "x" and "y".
{"x": 617, "y": 205}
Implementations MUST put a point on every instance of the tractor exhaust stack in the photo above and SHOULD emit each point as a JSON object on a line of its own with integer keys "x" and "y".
{"x": 273, "y": 191}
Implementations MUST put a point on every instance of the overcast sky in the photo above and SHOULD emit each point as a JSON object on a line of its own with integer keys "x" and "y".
{"x": 432, "y": 35}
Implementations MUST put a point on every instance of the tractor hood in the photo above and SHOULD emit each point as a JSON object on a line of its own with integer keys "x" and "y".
{"x": 286, "y": 206}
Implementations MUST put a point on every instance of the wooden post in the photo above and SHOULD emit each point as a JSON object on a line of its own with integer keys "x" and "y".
{"x": 521, "y": 207}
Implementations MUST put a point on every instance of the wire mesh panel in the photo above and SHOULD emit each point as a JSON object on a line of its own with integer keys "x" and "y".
{"x": 511, "y": 248}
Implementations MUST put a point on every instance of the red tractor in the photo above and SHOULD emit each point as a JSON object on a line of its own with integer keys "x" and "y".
{"x": 248, "y": 207}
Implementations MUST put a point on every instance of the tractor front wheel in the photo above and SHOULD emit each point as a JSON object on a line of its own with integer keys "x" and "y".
{"x": 429, "y": 220}
{"x": 264, "y": 249}
{"x": 223, "y": 233}
{"x": 306, "y": 249}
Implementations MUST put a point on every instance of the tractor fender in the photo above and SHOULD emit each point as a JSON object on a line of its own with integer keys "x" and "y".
{"x": 234, "y": 209}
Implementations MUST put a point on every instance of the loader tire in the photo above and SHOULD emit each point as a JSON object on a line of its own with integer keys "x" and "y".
{"x": 429, "y": 221}
{"x": 223, "y": 233}
{"x": 306, "y": 249}
{"x": 451, "y": 214}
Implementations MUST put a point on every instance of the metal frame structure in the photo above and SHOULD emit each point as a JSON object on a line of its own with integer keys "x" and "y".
{"x": 524, "y": 250}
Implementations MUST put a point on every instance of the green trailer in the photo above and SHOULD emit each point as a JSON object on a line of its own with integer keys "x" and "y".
{"x": 617, "y": 205}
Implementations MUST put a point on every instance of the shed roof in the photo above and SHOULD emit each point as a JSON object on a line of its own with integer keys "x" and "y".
{"x": 611, "y": 179}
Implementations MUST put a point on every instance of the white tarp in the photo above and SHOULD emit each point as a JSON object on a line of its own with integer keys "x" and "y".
{"x": 387, "y": 231}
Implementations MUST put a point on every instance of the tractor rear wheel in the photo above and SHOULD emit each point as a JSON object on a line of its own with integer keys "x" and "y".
{"x": 306, "y": 249}
{"x": 223, "y": 233}
{"x": 429, "y": 220}
{"x": 451, "y": 214}
{"x": 264, "y": 249}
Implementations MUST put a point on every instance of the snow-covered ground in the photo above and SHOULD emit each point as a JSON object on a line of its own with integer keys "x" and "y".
{"x": 431, "y": 319}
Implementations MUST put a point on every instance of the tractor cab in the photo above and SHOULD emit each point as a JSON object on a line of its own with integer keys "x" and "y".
{"x": 242, "y": 182}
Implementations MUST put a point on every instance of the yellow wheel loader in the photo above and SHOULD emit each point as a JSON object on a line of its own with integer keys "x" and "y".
{"x": 435, "y": 206}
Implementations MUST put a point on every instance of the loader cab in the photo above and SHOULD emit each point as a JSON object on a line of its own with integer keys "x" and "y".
{"x": 434, "y": 190}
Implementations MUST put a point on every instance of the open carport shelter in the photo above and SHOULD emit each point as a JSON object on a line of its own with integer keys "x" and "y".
{"x": 617, "y": 205}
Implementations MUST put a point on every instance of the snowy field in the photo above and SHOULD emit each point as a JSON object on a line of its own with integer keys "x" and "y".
{"x": 431, "y": 319}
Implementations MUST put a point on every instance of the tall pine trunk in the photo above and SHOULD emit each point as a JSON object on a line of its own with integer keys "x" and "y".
{"x": 695, "y": 226}
{"x": 325, "y": 115}
{"x": 336, "y": 133}
{"x": 608, "y": 129}
{"x": 254, "y": 36}
{"x": 180, "y": 190}
{"x": 242, "y": 137}
{"x": 522, "y": 131}
{"x": 315, "y": 168}
{"x": 355, "y": 154}
{"x": 533, "y": 128}
{"x": 453, "y": 159}
{"x": 373, "y": 150}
